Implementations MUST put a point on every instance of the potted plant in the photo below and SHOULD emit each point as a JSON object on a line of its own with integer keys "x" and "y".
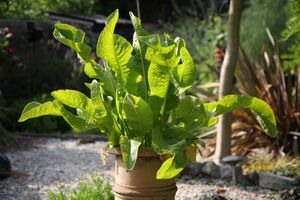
{"x": 137, "y": 99}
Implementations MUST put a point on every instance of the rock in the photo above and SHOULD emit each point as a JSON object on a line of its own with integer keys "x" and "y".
{"x": 253, "y": 177}
{"x": 275, "y": 182}
{"x": 238, "y": 171}
{"x": 192, "y": 169}
{"x": 225, "y": 171}
{"x": 5, "y": 166}
{"x": 243, "y": 180}
{"x": 211, "y": 169}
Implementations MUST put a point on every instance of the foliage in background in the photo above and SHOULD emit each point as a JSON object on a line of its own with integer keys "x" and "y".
{"x": 18, "y": 72}
{"x": 4, "y": 135}
{"x": 291, "y": 35}
{"x": 95, "y": 189}
{"x": 257, "y": 16}
{"x": 199, "y": 9}
{"x": 37, "y": 9}
{"x": 7, "y": 57}
{"x": 268, "y": 82}
{"x": 50, "y": 73}
{"x": 165, "y": 10}
{"x": 265, "y": 162}
{"x": 203, "y": 36}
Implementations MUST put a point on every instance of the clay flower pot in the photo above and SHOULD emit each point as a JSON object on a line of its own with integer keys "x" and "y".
{"x": 141, "y": 183}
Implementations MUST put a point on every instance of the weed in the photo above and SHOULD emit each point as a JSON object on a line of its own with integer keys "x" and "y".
{"x": 95, "y": 189}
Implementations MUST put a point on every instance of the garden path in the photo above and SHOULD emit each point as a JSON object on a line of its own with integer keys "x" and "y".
{"x": 53, "y": 163}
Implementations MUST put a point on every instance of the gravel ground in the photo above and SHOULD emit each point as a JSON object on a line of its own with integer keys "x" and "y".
{"x": 53, "y": 164}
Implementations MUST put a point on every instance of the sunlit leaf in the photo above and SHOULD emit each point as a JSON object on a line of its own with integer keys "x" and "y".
{"x": 74, "y": 38}
{"x": 129, "y": 150}
{"x": 264, "y": 112}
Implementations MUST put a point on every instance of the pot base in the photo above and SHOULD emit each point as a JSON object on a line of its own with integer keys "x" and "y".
{"x": 138, "y": 193}
{"x": 141, "y": 183}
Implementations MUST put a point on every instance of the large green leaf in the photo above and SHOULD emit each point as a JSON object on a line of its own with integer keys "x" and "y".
{"x": 179, "y": 44}
{"x": 73, "y": 99}
{"x": 129, "y": 150}
{"x": 115, "y": 49}
{"x": 160, "y": 52}
{"x": 103, "y": 74}
{"x": 36, "y": 109}
{"x": 264, "y": 112}
{"x": 161, "y": 143}
{"x": 172, "y": 166}
{"x": 165, "y": 56}
{"x": 136, "y": 82}
{"x": 185, "y": 73}
{"x": 74, "y": 38}
{"x": 137, "y": 114}
{"x": 163, "y": 59}
{"x": 140, "y": 51}
{"x": 172, "y": 102}
{"x": 189, "y": 110}
{"x": 159, "y": 79}
{"x": 136, "y": 22}
{"x": 101, "y": 113}
{"x": 97, "y": 101}
{"x": 92, "y": 111}
{"x": 158, "y": 142}
{"x": 76, "y": 122}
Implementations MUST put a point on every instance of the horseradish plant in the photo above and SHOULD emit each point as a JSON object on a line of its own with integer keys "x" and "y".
{"x": 136, "y": 97}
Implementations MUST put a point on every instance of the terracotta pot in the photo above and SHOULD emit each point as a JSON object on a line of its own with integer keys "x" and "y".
{"x": 140, "y": 183}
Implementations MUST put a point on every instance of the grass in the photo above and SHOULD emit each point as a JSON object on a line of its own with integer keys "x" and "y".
{"x": 95, "y": 189}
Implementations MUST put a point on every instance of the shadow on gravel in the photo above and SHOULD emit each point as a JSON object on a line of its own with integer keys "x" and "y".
{"x": 51, "y": 164}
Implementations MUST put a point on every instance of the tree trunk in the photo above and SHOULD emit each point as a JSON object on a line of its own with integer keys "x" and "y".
{"x": 223, "y": 146}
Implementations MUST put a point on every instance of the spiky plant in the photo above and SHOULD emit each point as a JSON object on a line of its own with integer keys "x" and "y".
{"x": 280, "y": 90}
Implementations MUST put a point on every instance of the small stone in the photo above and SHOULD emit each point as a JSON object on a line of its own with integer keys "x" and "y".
{"x": 5, "y": 166}
{"x": 192, "y": 169}
{"x": 253, "y": 177}
{"x": 274, "y": 181}
{"x": 225, "y": 171}
{"x": 211, "y": 169}
{"x": 244, "y": 180}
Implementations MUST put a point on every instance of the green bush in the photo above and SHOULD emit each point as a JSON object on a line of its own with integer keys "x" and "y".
{"x": 258, "y": 16}
{"x": 291, "y": 35}
{"x": 37, "y": 9}
{"x": 95, "y": 189}
{"x": 55, "y": 68}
